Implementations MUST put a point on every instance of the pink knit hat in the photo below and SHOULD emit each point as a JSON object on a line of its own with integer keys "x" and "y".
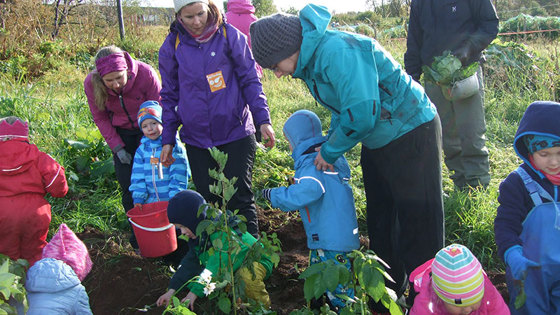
{"x": 17, "y": 129}
{"x": 457, "y": 276}
{"x": 66, "y": 246}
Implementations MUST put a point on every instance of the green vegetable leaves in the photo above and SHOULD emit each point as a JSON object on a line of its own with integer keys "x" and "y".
{"x": 446, "y": 69}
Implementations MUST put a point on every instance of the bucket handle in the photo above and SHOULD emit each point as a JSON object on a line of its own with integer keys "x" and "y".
{"x": 159, "y": 229}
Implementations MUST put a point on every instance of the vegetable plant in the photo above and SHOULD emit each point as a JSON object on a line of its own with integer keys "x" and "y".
{"x": 446, "y": 69}
{"x": 12, "y": 290}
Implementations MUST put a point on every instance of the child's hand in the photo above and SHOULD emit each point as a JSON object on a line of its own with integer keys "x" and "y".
{"x": 166, "y": 156}
{"x": 191, "y": 297}
{"x": 268, "y": 135}
{"x": 165, "y": 298}
{"x": 519, "y": 263}
{"x": 266, "y": 193}
{"x": 139, "y": 205}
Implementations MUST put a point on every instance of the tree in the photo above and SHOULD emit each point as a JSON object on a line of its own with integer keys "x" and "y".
{"x": 62, "y": 9}
{"x": 264, "y": 7}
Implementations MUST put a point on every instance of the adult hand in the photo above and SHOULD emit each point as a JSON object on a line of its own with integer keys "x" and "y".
{"x": 267, "y": 134}
{"x": 463, "y": 53}
{"x": 165, "y": 298}
{"x": 191, "y": 297}
{"x": 124, "y": 156}
{"x": 519, "y": 263}
{"x": 166, "y": 156}
{"x": 321, "y": 164}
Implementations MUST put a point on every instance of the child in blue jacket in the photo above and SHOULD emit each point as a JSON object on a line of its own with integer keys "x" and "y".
{"x": 150, "y": 180}
{"x": 527, "y": 225}
{"x": 323, "y": 198}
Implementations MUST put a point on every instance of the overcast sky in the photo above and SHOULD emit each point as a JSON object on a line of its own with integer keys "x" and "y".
{"x": 339, "y": 6}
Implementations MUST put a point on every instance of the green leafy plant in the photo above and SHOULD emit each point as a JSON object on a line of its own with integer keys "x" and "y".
{"x": 12, "y": 290}
{"x": 226, "y": 287}
{"x": 446, "y": 69}
{"x": 367, "y": 279}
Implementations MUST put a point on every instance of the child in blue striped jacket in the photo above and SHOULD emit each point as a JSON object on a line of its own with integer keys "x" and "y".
{"x": 150, "y": 180}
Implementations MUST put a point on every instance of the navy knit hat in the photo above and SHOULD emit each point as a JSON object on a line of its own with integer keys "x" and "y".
{"x": 149, "y": 109}
{"x": 183, "y": 209}
{"x": 275, "y": 38}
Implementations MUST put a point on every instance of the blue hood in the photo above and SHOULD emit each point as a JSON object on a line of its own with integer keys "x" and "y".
{"x": 540, "y": 118}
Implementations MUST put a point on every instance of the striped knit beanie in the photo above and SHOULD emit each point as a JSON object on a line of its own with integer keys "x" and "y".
{"x": 457, "y": 276}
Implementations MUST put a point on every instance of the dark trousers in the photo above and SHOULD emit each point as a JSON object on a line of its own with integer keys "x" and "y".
{"x": 131, "y": 139}
{"x": 241, "y": 156}
{"x": 405, "y": 219}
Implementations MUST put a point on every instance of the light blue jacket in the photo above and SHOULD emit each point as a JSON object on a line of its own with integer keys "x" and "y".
{"x": 324, "y": 200}
{"x": 53, "y": 288}
{"x": 371, "y": 98}
{"x": 145, "y": 184}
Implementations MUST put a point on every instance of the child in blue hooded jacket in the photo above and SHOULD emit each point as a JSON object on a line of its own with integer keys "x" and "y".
{"x": 527, "y": 225}
{"x": 150, "y": 180}
{"x": 323, "y": 198}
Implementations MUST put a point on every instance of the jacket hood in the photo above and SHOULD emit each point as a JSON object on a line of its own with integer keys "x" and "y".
{"x": 540, "y": 118}
{"x": 132, "y": 73}
{"x": 17, "y": 156}
{"x": 50, "y": 275}
{"x": 314, "y": 22}
{"x": 240, "y": 6}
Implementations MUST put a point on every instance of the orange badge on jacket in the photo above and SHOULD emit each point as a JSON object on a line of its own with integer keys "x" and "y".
{"x": 216, "y": 81}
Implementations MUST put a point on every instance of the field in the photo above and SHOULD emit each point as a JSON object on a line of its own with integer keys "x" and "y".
{"x": 123, "y": 282}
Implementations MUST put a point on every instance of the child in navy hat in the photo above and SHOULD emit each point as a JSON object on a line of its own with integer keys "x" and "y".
{"x": 324, "y": 199}
{"x": 527, "y": 224}
{"x": 205, "y": 261}
{"x": 150, "y": 180}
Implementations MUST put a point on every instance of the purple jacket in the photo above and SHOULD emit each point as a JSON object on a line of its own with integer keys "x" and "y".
{"x": 143, "y": 85}
{"x": 210, "y": 88}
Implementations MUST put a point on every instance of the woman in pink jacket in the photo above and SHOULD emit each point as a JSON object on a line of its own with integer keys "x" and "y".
{"x": 454, "y": 283}
{"x": 241, "y": 13}
{"x": 115, "y": 90}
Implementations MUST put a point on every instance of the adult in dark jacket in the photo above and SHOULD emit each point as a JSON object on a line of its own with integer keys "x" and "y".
{"x": 465, "y": 28}
{"x": 210, "y": 86}
{"x": 115, "y": 90}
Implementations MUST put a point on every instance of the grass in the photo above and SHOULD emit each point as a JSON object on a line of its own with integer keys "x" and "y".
{"x": 61, "y": 125}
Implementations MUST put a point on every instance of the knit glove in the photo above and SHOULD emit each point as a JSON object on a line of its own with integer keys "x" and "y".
{"x": 266, "y": 193}
{"x": 518, "y": 263}
{"x": 124, "y": 156}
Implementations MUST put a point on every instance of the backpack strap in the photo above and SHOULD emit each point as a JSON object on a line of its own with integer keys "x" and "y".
{"x": 535, "y": 190}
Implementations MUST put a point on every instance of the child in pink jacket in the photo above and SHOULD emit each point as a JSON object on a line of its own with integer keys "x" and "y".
{"x": 454, "y": 283}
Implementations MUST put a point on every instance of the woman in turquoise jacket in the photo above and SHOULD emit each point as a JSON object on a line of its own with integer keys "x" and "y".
{"x": 373, "y": 102}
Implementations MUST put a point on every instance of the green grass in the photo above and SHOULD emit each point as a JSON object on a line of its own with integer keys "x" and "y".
{"x": 58, "y": 113}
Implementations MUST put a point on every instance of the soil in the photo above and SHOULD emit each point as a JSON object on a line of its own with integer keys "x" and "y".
{"x": 123, "y": 282}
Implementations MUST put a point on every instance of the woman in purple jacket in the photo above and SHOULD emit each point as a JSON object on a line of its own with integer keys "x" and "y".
{"x": 210, "y": 86}
{"x": 115, "y": 90}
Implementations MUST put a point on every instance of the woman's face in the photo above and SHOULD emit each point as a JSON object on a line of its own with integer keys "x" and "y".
{"x": 115, "y": 80}
{"x": 286, "y": 66}
{"x": 194, "y": 16}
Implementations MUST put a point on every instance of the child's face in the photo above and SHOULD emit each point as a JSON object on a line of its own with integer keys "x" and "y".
{"x": 151, "y": 128}
{"x": 185, "y": 231}
{"x": 461, "y": 310}
{"x": 548, "y": 160}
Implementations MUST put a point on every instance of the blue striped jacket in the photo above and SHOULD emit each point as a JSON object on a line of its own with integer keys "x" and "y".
{"x": 145, "y": 184}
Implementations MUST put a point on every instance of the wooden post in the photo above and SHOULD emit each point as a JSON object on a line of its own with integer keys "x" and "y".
{"x": 120, "y": 17}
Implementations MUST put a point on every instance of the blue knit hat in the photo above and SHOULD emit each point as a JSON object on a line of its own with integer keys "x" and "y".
{"x": 183, "y": 209}
{"x": 536, "y": 143}
{"x": 302, "y": 125}
{"x": 149, "y": 109}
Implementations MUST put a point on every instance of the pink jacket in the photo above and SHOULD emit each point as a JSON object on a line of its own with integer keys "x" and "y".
{"x": 143, "y": 85}
{"x": 240, "y": 14}
{"x": 427, "y": 302}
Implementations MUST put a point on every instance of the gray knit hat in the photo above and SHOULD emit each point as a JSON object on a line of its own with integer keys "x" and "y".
{"x": 275, "y": 38}
{"x": 179, "y": 4}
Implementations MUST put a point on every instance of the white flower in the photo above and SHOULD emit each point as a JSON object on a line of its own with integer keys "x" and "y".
{"x": 209, "y": 288}
{"x": 206, "y": 276}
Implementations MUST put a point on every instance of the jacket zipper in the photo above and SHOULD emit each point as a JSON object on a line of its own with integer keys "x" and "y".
{"x": 321, "y": 100}
{"x": 126, "y": 111}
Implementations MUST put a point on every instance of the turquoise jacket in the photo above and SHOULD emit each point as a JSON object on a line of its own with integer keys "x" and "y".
{"x": 370, "y": 96}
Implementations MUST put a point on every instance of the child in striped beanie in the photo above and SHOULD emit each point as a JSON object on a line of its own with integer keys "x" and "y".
{"x": 454, "y": 283}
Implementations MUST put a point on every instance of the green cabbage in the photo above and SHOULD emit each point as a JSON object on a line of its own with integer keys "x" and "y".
{"x": 446, "y": 69}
